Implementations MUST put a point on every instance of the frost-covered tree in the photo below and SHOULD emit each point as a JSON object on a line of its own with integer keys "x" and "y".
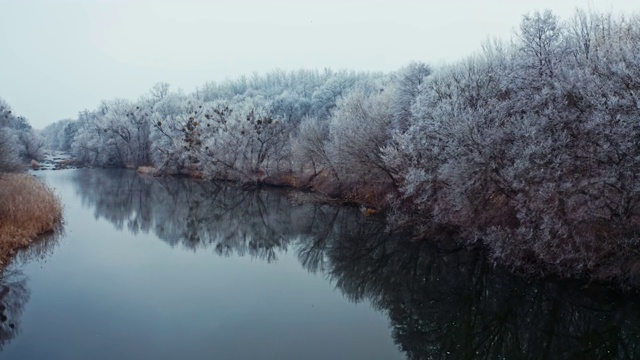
{"x": 177, "y": 127}
{"x": 7, "y": 156}
{"x": 447, "y": 126}
{"x": 532, "y": 149}
{"x": 117, "y": 134}
{"x": 407, "y": 89}
{"x": 31, "y": 144}
{"x": 310, "y": 151}
{"x": 542, "y": 42}
{"x": 60, "y": 134}
{"x": 66, "y": 137}
{"x": 158, "y": 92}
{"x": 359, "y": 130}
{"x": 54, "y": 135}
{"x": 88, "y": 144}
{"x": 261, "y": 143}
{"x": 18, "y": 140}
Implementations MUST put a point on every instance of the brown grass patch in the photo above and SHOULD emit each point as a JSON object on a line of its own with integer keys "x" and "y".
{"x": 28, "y": 208}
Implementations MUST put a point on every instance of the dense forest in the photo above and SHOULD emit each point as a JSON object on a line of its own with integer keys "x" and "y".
{"x": 529, "y": 147}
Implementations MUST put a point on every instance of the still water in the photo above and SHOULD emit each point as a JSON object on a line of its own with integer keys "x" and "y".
{"x": 172, "y": 268}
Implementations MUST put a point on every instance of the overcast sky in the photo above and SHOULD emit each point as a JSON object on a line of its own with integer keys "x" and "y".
{"x": 59, "y": 57}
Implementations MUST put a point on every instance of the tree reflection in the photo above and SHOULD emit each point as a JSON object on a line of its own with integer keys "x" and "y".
{"x": 440, "y": 302}
{"x": 196, "y": 214}
{"x": 14, "y": 294}
{"x": 453, "y": 303}
{"x": 14, "y": 290}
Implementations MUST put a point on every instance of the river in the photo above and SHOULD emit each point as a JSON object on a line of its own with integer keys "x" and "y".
{"x": 173, "y": 268}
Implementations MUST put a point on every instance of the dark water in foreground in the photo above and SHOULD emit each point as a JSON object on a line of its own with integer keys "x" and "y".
{"x": 178, "y": 269}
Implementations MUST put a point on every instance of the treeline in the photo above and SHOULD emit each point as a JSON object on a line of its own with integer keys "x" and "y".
{"x": 530, "y": 147}
{"x": 18, "y": 140}
{"x": 261, "y": 129}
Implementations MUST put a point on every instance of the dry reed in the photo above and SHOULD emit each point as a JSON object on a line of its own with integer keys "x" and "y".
{"x": 28, "y": 208}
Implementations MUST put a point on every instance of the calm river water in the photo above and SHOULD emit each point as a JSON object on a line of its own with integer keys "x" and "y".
{"x": 179, "y": 269}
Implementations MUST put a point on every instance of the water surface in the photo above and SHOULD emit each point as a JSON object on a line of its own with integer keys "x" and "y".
{"x": 175, "y": 268}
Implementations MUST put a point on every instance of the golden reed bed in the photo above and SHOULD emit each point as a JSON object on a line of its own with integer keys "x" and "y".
{"x": 28, "y": 208}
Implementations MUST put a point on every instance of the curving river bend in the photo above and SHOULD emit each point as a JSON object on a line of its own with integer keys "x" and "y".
{"x": 168, "y": 268}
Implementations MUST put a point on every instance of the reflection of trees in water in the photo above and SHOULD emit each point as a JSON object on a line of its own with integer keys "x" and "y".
{"x": 14, "y": 294}
{"x": 39, "y": 249}
{"x": 14, "y": 291}
{"x": 438, "y": 301}
{"x": 453, "y": 303}
{"x": 198, "y": 214}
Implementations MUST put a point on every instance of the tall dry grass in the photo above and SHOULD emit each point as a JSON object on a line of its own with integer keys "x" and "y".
{"x": 28, "y": 208}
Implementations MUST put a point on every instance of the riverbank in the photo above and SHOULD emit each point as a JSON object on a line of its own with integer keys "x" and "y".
{"x": 28, "y": 208}
{"x": 603, "y": 252}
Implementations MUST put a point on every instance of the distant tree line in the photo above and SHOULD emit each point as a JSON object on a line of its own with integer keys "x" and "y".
{"x": 530, "y": 147}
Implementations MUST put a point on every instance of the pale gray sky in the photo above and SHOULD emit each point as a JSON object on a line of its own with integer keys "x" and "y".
{"x": 59, "y": 57}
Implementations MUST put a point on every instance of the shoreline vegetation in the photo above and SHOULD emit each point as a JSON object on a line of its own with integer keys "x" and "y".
{"x": 28, "y": 209}
{"x": 528, "y": 148}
